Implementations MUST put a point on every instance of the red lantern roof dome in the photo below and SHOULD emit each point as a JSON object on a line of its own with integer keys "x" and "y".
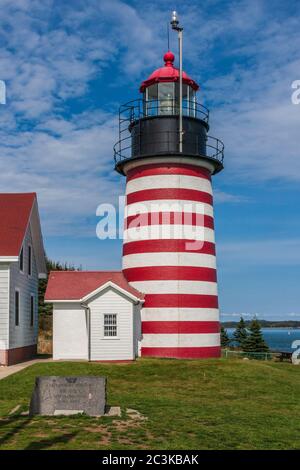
{"x": 168, "y": 73}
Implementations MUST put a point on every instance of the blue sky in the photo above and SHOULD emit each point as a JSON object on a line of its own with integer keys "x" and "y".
{"x": 67, "y": 67}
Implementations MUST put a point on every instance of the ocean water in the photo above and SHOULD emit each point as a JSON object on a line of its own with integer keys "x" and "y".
{"x": 278, "y": 339}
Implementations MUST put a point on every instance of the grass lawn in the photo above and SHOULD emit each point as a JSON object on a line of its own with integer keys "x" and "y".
{"x": 207, "y": 404}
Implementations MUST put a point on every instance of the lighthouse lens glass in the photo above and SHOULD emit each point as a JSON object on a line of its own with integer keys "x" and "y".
{"x": 188, "y": 100}
{"x": 151, "y": 100}
{"x": 166, "y": 92}
{"x": 164, "y": 99}
{"x": 192, "y": 102}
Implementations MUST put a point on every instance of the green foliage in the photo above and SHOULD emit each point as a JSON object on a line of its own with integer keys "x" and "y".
{"x": 255, "y": 341}
{"x": 241, "y": 334}
{"x": 225, "y": 340}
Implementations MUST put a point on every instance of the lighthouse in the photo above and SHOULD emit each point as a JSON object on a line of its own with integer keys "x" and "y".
{"x": 169, "y": 252}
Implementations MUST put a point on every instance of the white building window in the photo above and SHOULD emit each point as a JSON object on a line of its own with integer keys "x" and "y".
{"x": 110, "y": 325}
{"x": 17, "y": 308}
{"x": 29, "y": 260}
{"x": 31, "y": 310}
{"x": 21, "y": 260}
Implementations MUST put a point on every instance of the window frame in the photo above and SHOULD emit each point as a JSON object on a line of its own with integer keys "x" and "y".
{"x": 111, "y": 325}
{"x": 21, "y": 260}
{"x": 32, "y": 310}
{"x": 151, "y": 102}
{"x": 166, "y": 105}
{"x": 17, "y": 313}
{"x": 29, "y": 267}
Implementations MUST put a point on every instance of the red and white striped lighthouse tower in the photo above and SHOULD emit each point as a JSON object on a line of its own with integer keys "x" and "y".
{"x": 169, "y": 244}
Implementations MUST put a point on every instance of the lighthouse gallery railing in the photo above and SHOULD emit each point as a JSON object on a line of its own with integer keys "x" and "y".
{"x": 130, "y": 113}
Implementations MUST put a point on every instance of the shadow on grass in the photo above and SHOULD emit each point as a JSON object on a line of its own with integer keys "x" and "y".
{"x": 21, "y": 424}
{"x": 49, "y": 442}
{"x": 17, "y": 424}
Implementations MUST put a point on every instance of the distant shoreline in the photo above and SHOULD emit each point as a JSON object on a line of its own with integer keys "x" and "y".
{"x": 265, "y": 324}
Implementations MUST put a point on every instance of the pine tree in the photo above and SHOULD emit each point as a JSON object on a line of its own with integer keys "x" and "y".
{"x": 241, "y": 334}
{"x": 255, "y": 341}
{"x": 225, "y": 340}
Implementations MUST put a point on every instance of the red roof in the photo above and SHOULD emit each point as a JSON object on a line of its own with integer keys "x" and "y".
{"x": 168, "y": 73}
{"x": 75, "y": 285}
{"x": 15, "y": 210}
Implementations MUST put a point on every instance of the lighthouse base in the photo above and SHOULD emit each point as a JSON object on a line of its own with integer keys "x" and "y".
{"x": 182, "y": 353}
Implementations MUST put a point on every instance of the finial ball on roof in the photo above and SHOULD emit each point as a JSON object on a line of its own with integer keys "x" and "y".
{"x": 169, "y": 57}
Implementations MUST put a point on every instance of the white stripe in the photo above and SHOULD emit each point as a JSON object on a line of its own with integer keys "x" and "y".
{"x": 168, "y": 205}
{"x": 182, "y": 340}
{"x": 176, "y": 287}
{"x": 198, "y": 162}
{"x": 169, "y": 259}
{"x": 180, "y": 314}
{"x": 169, "y": 231}
{"x": 169, "y": 181}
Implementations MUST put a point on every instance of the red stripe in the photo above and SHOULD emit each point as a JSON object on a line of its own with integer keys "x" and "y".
{"x": 180, "y": 327}
{"x": 157, "y": 273}
{"x": 172, "y": 169}
{"x": 169, "y": 218}
{"x": 180, "y": 353}
{"x": 180, "y": 301}
{"x": 177, "y": 246}
{"x": 183, "y": 194}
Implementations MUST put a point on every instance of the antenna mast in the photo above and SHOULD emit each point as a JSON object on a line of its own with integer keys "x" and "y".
{"x": 179, "y": 29}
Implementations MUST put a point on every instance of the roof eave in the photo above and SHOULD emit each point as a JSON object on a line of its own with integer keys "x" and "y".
{"x": 155, "y": 80}
{"x": 9, "y": 259}
{"x": 110, "y": 284}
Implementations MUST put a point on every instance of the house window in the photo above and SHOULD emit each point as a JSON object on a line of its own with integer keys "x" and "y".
{"x": 17, "y": 308}
{"x": 29, "y": 260}
{"x": 31, "y": 310}
{"x": 110, "y": 324}
{"x": 21, "y": 260}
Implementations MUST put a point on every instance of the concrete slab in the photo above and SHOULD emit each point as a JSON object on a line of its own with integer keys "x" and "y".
{"x": 67, "y": 412}
{"x": 15, "y": 409}
{"x": 113, "y": 411}
{"x": 6, "y": 371}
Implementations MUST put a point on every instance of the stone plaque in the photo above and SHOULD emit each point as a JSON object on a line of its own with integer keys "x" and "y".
{"x": 68, "y": 395}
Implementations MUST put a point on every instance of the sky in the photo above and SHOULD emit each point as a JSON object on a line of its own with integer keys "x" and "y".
{"x": 68, "y": 66}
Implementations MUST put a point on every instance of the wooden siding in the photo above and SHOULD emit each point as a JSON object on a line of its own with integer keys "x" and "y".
{"x": 4, "y": 305}
{"x": 109, "y": 349}
{"x": 24, "y": 334}
{"x": 137, "y": 323}
{"x": 70, "y": 332}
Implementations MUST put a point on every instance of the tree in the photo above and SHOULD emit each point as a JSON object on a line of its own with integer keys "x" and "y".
{"x": 51, "y": 266}
{"x": 255, "y": 341}
{"x": 225, "y": 340}
{"x": 241, "y": 334}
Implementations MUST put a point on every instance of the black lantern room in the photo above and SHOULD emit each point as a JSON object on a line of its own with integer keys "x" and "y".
{"x": 149, "y": 127}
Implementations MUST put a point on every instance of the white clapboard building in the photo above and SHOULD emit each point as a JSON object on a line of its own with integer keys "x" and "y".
{"x": 22, "y": 262}
{"x": 96, "y": 316}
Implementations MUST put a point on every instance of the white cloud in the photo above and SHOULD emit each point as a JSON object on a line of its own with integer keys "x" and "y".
{"x": 52, "y": 51}
{"x": 71, "y": 171}
{"x": 222, "y": 196}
